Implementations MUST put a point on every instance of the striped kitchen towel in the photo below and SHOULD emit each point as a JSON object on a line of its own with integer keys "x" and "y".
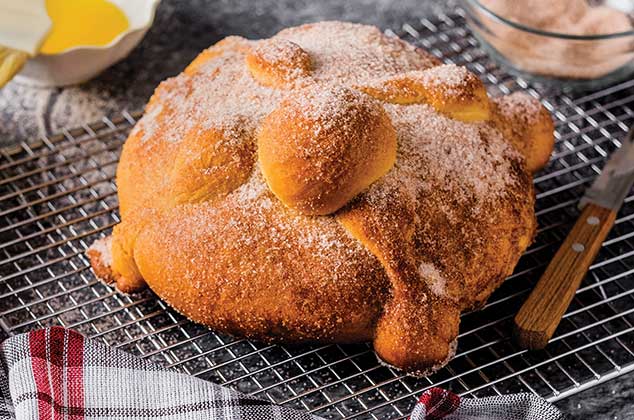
{"x": 56, "y": 373}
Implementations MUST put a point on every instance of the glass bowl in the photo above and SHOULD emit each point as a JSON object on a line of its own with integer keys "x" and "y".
{"x": 558, "y": 59}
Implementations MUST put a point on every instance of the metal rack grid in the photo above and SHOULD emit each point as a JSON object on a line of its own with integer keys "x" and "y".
{"x": 57, "y": 195}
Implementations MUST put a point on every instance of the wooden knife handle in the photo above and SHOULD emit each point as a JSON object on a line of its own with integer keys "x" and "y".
{"x": 538, "y": 318}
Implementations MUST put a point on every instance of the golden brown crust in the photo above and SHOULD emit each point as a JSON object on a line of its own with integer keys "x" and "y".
{"x": 267, "y": 285}
{"x": 436, "y": 244}
{"x": 206, "y": 166}
{"x": 100, "y": 256}
{"x": 450, "y": 89}
{"x": 278, "y": 63}
{"x": 411, "y": 245}
{"x": 229, "y": 43}
{"x": 321, "y": 147}
{"x": 528, "y": 125}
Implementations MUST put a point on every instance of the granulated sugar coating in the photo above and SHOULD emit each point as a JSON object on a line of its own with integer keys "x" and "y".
{"x": 442, "y": 82}
{"x": 450, "y": 77}
{"x": 436, "y": 282}
{"x": 355, "y": 54}
{"x": 556, "y": 55}
{"x": 207, "y": 99}
{"x": 278, "y": 61}
{"x": 520, "y": 104}
{"x": 344, "y": 53}
{"x": 396, "y": 264}
{"x": 327, "y": 106}
{"x": 470, "y": 159}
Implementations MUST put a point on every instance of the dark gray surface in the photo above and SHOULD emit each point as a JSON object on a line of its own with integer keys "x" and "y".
{"x": 181, "y": 30}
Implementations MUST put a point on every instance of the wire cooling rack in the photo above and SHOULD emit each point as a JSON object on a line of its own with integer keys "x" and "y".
{"x": 57, "y": 195}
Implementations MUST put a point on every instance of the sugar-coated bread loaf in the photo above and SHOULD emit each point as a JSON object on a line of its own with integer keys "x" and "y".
{"x": 330, "y": 184}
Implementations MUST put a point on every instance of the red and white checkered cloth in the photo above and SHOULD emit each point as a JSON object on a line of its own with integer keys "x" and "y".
{"x": 56, "y": 373}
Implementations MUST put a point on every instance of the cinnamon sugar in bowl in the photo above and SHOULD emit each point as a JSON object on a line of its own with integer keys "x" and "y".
{"x": 577, "y": 44}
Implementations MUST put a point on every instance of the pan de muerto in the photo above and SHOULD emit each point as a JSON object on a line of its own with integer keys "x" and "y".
{"x": 329, "y": 184}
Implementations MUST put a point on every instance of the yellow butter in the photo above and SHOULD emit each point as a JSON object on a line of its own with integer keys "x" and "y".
{"x": 82, "y": 23}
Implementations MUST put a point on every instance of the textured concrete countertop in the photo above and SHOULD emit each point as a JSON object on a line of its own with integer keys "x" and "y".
{"x": 182, "y": 29}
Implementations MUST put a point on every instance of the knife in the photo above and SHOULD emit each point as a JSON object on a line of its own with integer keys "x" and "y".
{"x": 540, "y": 315}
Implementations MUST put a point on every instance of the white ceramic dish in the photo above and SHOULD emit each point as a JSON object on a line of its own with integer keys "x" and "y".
{"x": 82, "y": 63}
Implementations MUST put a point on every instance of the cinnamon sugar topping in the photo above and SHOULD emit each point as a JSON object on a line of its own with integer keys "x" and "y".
{"x": 354, "y": 54}
{"x": 451, "y": 216}
{"x": 434, "y": 279}
{"x": 470, "y": 159}
{"x": 519, "y": 104}
{"x": 345, "y": 53}
{"x": 448, "y": 77}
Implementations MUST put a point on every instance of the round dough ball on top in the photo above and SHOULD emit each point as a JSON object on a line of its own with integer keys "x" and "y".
{"x": 323, "y": 145}
{"x": 277, "y": 62}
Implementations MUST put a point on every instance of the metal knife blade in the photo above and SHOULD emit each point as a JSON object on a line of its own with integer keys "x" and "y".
{"x": 612, "y": 185}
